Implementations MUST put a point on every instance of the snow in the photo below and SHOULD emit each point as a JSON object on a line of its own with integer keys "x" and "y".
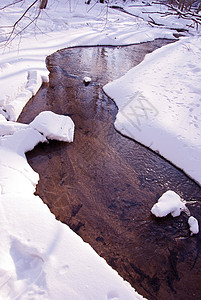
{"x": 85, "y": 25}
{"x": 159, "y": 103}
{"x": 193, "y": 223}
{"x": 169, "y": 203}
{"x": 41, "y": 258}
{"x": 54, "y": 127}
{"x": 87, "y": 79}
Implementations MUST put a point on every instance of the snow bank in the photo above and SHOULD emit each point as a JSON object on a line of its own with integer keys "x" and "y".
{"x": 9, "y": 127}
{"x": 41, "y": 258}
{"x": 160, "y": 105}
{"x": 61, "y": 25}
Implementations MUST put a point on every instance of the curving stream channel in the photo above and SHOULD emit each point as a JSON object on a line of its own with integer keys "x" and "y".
{"x": 103, "y": 185}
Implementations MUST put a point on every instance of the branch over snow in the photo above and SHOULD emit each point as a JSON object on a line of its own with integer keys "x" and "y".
{"x": 13, "y": 33}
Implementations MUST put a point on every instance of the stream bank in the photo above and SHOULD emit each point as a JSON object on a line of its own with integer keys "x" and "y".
{"x": 103, "y": 185}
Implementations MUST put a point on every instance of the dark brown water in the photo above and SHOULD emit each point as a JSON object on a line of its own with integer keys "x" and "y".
{"x": 103, "y": 185}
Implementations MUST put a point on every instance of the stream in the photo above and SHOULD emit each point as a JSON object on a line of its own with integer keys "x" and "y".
{"x": 103, "y": 185}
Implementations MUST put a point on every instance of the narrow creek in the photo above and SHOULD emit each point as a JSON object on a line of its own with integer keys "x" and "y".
{"x": 103, "y": 185}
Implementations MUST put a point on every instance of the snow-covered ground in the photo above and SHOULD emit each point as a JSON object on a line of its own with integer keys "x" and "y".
{"x": 159, "y": 105}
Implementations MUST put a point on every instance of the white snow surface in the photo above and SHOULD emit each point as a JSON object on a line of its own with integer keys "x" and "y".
{"x": 41, "y": 258}
{"x": 54, "y": 127}
{"x": 159, "y": 103}
{"x": 193, "y": 223}
{"x": 169, "y": 203}
{"x": 87, "y": 79}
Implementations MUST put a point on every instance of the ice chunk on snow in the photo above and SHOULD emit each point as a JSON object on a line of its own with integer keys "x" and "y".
{"x": 193, "y": 223}
{"x": 54, "y": 126}
{"x": 169, "y": 203}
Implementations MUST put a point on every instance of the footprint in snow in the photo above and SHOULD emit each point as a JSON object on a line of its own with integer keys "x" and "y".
{"x": 24, "y": 274}
{"x": 112, "y": 295}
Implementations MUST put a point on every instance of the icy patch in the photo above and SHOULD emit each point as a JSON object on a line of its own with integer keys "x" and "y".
{"x": 54, "y": 127}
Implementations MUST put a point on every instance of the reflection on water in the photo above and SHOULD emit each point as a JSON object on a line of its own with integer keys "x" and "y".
{"x": 103, "y": 185}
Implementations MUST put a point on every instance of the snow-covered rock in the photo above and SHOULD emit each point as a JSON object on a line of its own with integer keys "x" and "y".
{"x": 87, "y": 79}
{"x": 54, "y": 127}
{"x": 169, "y": 203}
{"x": 193, "y": 223}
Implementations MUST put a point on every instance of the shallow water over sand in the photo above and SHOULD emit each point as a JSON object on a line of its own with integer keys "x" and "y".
{"x": 103, "y": 185}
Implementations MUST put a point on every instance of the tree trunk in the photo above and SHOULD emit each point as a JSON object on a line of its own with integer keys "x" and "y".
{"x": 43, "y": 4}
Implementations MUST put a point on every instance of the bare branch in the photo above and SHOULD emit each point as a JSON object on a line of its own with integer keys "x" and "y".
{"x": 12, "y": 35}
{"x": 10, "y": 4}
{"x": 43, "y": 4}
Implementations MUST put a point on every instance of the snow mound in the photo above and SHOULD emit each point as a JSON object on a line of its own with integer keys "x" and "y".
{"x": 87, "y": 79}
{"x": 54, "y": 127}
{"x": 169, "y": 203}
{"x": 193, "y": 223}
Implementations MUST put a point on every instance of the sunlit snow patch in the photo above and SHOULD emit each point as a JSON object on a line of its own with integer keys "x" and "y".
{"x": 87, "y": 80}
{"x": 169, "y": 203}
{"x": 54, "y": 127}
{"x": 42, "y": 258}
{"x": 193, "y": 223}
{"x": 160, "y": 106}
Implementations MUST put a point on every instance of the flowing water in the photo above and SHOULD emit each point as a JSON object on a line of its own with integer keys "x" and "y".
{"x": 103, "y": 185}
